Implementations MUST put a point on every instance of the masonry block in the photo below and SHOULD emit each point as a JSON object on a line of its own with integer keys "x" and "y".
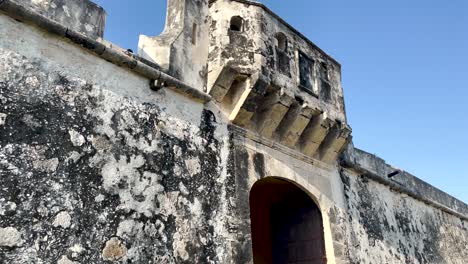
{"x": 331, "y": 147}
{"x": 272, "y": 112}
{"x": 314, "y": 134}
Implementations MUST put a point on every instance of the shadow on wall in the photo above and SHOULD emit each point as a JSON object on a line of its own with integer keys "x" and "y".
{"x": 127, "y": 19}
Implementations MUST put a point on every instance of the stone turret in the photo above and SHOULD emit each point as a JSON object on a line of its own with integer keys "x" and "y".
{"x": 270, "y": 79}
{"x": 182, "y": 48}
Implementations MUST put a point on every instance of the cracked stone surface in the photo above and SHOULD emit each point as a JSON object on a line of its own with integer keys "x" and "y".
{"x": 80, "y": 165}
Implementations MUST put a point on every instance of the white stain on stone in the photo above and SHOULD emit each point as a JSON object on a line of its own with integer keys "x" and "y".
{"x": 10, "y": 237}
{"x": 180, "y": 247}
{"x": 89, "y": 27}
{"x": 31, "y": 121}
{"x": 115, "y": 171}
{"x": 67, "y": 12}
{"x": 137, "y": 190}
{"x": 65, "y": 260}
{"x": 6, "y": 207}
{"x": 43, "y": 3}
{"x": 49, "y": 165}
{"x": 2, "y": 119}
{"x": 73, "y": 157}
{"x": 114, "y": 250}
{"x": 76, "y": 138}
{"x": 196, "y": 208}
{"x": 62, "y": 219}
{"x": 33, "y": 82}
{"x": 99, "y": 198}
{"x": 193, "y": 166}
{"x": 168, "y": 203}
{"x": 183, "y": 189}
{"x": 76, "y": 250}
{"x": 129, "y": 229}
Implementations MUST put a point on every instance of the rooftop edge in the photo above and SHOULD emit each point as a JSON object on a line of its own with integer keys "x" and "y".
{"x": 289, "y": 26}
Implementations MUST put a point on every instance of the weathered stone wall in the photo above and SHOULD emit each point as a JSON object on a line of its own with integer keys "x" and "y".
{"x": 96, "y": 167}
{"x": 83, "y": 16}
{"x": 390, "y": 227}
{"x": 90, "y": 175}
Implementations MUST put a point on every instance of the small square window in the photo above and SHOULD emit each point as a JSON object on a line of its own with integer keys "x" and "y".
{"x": 307, "y": 74}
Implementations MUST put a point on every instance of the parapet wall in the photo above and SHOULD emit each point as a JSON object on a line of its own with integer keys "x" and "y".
{"x": 395, "y": 217}
{"x": 82, "y": 16}
{"x": 388, "y": 226}
{"x": 106, "y": 157}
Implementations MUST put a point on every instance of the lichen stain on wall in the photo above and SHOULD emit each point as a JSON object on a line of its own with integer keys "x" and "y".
{"x": 87, "y": 176}
{"x": 390, "y": 227}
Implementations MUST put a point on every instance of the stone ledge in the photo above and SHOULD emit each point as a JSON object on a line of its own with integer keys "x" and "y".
{"x": 241, "y": 134}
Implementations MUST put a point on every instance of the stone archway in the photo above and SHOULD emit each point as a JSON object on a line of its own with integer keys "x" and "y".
{"x": 286, "y": 224}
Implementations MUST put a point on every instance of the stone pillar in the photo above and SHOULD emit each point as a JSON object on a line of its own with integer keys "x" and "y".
{"x": 182, "y": 48}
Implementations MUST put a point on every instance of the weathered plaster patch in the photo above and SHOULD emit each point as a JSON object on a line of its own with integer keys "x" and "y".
{"x": 64, "y": 260}
{"x": 99, "y": 198}
{"x": 67, "y": 12}
{"x": 76, "y": 138}
{"x": 10, "y": 237}
{"x": 49, "y": 165}
{"x": 137, "y": 190}
{"x": 32, "y": 82}
{"x": 193, "y": 165}
{"x": 114, "y": 250}
{"x": 62, "y": 219}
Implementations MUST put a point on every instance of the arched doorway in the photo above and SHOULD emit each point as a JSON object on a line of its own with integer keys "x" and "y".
{"x": 286, "y": 224}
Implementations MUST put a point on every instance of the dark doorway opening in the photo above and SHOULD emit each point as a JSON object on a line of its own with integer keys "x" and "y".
{"x": 286, "y": 224}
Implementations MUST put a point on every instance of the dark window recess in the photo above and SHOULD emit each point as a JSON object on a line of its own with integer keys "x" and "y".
{"x": 325, "y": 91}
{"x": 237, "y": 24}
{"x": 282, "y": 42}
{"x": 282, "y": 57}
{"x": 283, "y": 62}
{"x": 306, "y": 73}
{"x": 325, "y": 86}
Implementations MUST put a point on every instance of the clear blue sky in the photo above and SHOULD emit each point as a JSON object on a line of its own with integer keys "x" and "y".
{"x": 405, "y": 73}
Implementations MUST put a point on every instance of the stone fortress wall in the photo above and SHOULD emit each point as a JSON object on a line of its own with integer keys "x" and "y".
{"x": 111, "y": 157}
